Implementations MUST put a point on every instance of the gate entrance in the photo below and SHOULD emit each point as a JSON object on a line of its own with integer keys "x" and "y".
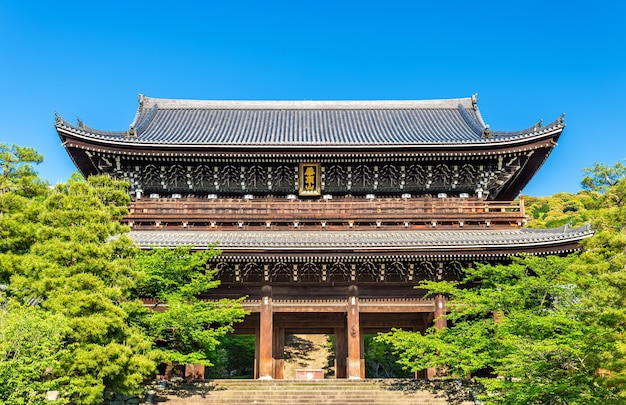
{"x": 308, "y": 356}
{"x": 278, "y": 325}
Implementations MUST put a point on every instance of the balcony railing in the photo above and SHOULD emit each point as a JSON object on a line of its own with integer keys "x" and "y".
{"x": 272, "y": 212}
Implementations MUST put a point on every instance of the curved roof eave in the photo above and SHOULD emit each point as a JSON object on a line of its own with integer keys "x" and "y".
{"x": 128, "y": 142}
{"x": 392, "y": 241}
{"x": 445, "y": 123}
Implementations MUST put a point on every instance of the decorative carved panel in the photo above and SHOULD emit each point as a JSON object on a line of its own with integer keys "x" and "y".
{"x": 229, "y": 177}
{"x": 283, "y": 178}
{"x": 176, "y": 177}
{"x": 310, "y": 272}
{"x": 256, "y": 178}
{"x": 281, "y": 272}
{"x": 203, "y": 177}
{"x": 486, "y": 174}
{"x": 362, "y": 271}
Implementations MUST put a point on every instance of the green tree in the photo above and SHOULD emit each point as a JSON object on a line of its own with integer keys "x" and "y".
{"x": 65, "y": 251}
{"x": 542, "y": 330}
{"x": 381, "y": 361}
{"x": 31, "y": 348}
{"x": 234, "y": 357}
{"x": 18, "y": 173}
{"x": 601, "y": 178}
{"x": 526, "y": 322}
{"x": 560, "y": 209}
{"x": 186, "y": 329}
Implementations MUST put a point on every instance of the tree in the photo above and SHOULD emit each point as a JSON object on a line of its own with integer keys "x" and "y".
{"x": 31, "y": 348}
{"x": 185, "y": 329}
{"x": 542, "y": 330}
{"x": 603, "y": 179}
{"x": 68, "y": 269}
{"x": 234, "y": 357}
{"x": 380, "y": 360}
{"x": 66, "y": 252}
{"x": 17, "y": 171}
{"x": 525, "y": 322}
{"x": 560, "y": 209}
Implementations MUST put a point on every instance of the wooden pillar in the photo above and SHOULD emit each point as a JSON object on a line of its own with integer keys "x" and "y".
{"x": 257, "y": 334}
{"x": 341, "y": 352}
{"x": 362, "y": 353}
{"x": 354, "y": 369}
{"x": 440, "y": 312}
{"x": 440, "y": 324}
{"x": 266, "y": 334}
{"x": 279, "y": 353}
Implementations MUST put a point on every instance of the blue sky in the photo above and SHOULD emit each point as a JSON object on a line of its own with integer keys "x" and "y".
{"x": 526, "y": 60}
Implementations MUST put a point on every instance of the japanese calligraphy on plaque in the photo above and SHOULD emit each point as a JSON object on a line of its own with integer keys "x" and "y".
{"x": 309, "y": 179}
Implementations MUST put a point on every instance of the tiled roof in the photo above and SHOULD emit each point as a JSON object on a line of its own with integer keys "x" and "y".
{"x": 363, "y": 240}
{"x": 307, "y": 123}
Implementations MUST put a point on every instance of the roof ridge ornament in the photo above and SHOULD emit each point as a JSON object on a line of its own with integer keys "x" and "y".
{"x": 487, "y": 133}
{"x": 141, "y": 99}
{"x": 475, "y": 101}
{"x": 80, "y": 123}
{"x": 561, "y": 119}
{"x": 538, "y": 124}
{"x": 57, "y": 119}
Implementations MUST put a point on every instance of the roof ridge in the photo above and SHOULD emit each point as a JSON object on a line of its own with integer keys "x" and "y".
{"x": 166, "y": 103}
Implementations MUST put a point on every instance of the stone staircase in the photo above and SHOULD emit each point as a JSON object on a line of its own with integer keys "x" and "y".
{"x": 319, "y": 392}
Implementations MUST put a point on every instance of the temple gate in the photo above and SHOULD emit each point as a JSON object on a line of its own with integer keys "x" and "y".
{"x": 327, "y": 213}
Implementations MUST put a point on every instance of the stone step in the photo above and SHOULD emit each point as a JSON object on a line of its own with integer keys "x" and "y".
{"x": 320, "y": 392}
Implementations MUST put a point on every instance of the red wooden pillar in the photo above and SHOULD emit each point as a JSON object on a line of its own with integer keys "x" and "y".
{"x": 355, "y": 369}
{"x": 440, "y": 311}
{"x": 266, "y": 334}
{"x": 257, "y": 362}
{"x": 341, "y": 352}
{"x": 440, "y": 323}
{"x": 279, "y": 353}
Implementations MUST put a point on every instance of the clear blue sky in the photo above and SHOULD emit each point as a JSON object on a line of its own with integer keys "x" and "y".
{"x": 526, "y": 60}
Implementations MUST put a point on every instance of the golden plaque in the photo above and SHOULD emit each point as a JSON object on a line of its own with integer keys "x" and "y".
{"x": 309, "y": 175}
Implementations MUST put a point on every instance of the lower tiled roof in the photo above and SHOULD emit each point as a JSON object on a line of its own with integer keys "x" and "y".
{"x": 353, "y": 241}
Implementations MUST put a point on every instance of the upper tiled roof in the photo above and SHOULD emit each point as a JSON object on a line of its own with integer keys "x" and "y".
{"x": 448, "y": 242}
{"x": 307, "y": 123}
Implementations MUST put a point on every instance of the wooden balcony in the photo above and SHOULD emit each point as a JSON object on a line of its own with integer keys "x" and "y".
{"x": 337, "y": 213}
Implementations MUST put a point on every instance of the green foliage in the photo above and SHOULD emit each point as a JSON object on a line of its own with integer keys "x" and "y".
{"x": 234, "y": 357}
{"x": 17, "y": 174}
{"x": 189, "y": 331}
{"x": 560, "y": 209}
{"x": 542, "y": 330}
{"x": 381, "y": 361}
{"x": 31, "y": 348}
{"x": 526, "y": 322}
{"x": 601, "y": 178}
{"x": 65, "y": 251}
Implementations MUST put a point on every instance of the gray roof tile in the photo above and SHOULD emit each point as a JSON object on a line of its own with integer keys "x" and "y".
{"x": 310, "y": 123}
{"x": 350, "y": 240}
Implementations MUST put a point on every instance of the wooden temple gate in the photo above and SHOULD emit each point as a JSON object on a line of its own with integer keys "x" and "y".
{"x": 349, "y": 320}
{"x": 328, "y": 213}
